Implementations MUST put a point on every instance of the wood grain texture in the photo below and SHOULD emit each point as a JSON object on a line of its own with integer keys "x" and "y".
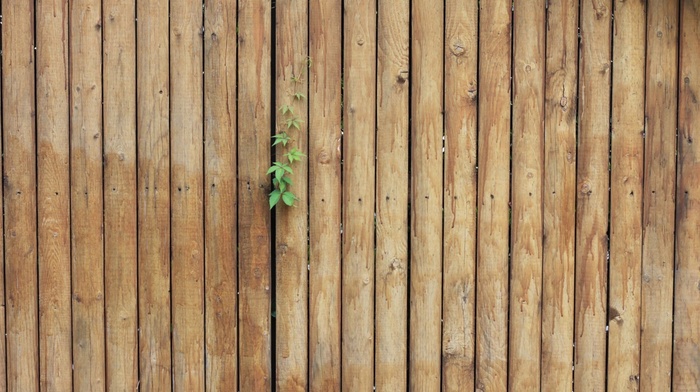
{"x": 3, "y": 351}
{"x": 153, "y": 124}
{"x": 627, "y": 162}
{"x": 659, "y": 195}
{"x": 291, "y": 246}
{"x": 358, "y": 194}
{"x": 686, "y": 334}
{"x": 426, "y": 196}
{"x": 559, "y": 194}
{"x": 20, "y": 199}
{"x": 121, "y": 307}
{"x": 592, "y": 194}
{"x": 325, "y": 197}
{"x": 186, "y": 194}
{"x": 391, "y": 276}
{"x": 460, "y": 191}
{"x": 254, "y": 125}
{"x": 493, "y": 195}
{"x": 220, "y": 200}
{"x": 53, "y": 196}
{"x": 527, "y": 203}
{"x": 86, "y": 195}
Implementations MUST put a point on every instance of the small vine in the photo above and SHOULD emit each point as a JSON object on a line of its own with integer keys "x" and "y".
{"x": 281, "y": 171}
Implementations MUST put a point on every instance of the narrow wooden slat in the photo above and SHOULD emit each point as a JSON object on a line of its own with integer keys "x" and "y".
{"x": 86, "y": 195}
{"x": 659, "y": 195}
{"x": 426, "y": 196}
{"x": 592, "y": 195}
{"x": 186, "y": 194}
{"x": 559, "y": 195}
{"x": 153, "y": 151}
{"x": 325, "y": 48}
{"x": 391, "y": 276}
{"x": 358, "y": 194}
{"x": 686, "y": 336}
{"x": 254, "y": 121}
{"x": 460, "y": 191}
{"x": 221, "y": 328}
{"x": 3, "y": 352}
{"x": 626, "y": 195}
{"x": 493, "y": 196}
{"x": 53, "y": 196}
{"x": 119, "y": 78}
{"x": 19, "y": 182}
{"x": 527, "y": 172}
{"x": 291, "y": 245}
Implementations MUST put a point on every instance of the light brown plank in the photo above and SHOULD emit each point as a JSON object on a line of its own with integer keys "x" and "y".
{"x": 254, "y": 121}
{"x": 493, "y": 195}
{"x": 186, "y": 194}
{"x": 325, "y": 48}
{"x": 121, "y": 308}
{"x": 3, "y": 353}
{"x": 686, "y": 334}
{"x": 659, "y": 195}
{"x": 391, "y": 276}
{"x": 221, "y": 323}
{"x": 559, "y": 195}
{"x": 460, "y": 191}
{"x": 153, "y": 195}
{"x": 426, "y": 196}
{"x": 53, "y": 196}
{"x": 86, "y": 195}
{"x": 527, "y": 171}
{"x": 592, "y": 197}
{"x": 19, "y": 182}
{"x": 358, "y": 194}
{"x": 291, "y": 245}
{"x": 626, "y": 195}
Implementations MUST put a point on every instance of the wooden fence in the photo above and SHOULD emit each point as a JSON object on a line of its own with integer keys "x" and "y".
{"x": 497, "y": 195}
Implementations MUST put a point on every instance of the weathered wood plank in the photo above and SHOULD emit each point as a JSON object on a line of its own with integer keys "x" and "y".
{"x": 627, "y": 163}
{"x": 153, "y": 124}
{"x": 592, "y": 196}
{"x": 20, "y": 199}
{"x": 659, "y": 195}
{"x": 254, "y": 124}
{"x": 220, "y": 201}
{"x": 53, "y": 196}
{"x": 325, "y": 49}
{"x": 391, "y": 277}
{"x": 528, "y": 174}
{"x": 686, "y": 334}
{"x": 493, "y": 195}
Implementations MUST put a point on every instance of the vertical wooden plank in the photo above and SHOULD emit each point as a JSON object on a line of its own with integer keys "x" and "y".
{"x": 627, "y": 163}
{"x": 359, "y": 105}
{"x": 559, "y": 195}
{"x": 391, "y": 277}
{"x": 493, "y": 195}
{"x": 186, "y": 198}
{"x": 686, "y": 336}
{"x": 659, "y": 195}
{"x": 19, "y": 182}
{"x": 592, "y": 197}
{"x": 119, "y": 78}
{"x": 426, "y": 196}
{"x": 254, "y": 113}
{"x": 291, "y": 245}
{"x": 459, "y": 242}
{"x": 325, "y": 48}
{"x": 53, "y": 196}
{"x": 528, "y": 166}
{"x": 153, "y": 149}
{"x": 3, "y": 308}
{"x": 220, "y": 202}
{"x": 86, "y": 195}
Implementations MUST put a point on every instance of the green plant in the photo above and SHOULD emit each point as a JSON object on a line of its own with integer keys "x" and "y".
{"x": 281, "y": 171}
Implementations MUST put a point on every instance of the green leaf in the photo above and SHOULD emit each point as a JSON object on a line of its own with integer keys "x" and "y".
{"x": 287, "y": 179}
{"x": 281, "y": 138}
{"x": 271, "y": 169}
{"x": 274, "y": 198}
{"x": 286, "y": 109}
{"x": 282, "y": 186}
{"x": 279, "y": 173}
{"x": 288, "y": 198}
{"x": 299, "y": 96}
